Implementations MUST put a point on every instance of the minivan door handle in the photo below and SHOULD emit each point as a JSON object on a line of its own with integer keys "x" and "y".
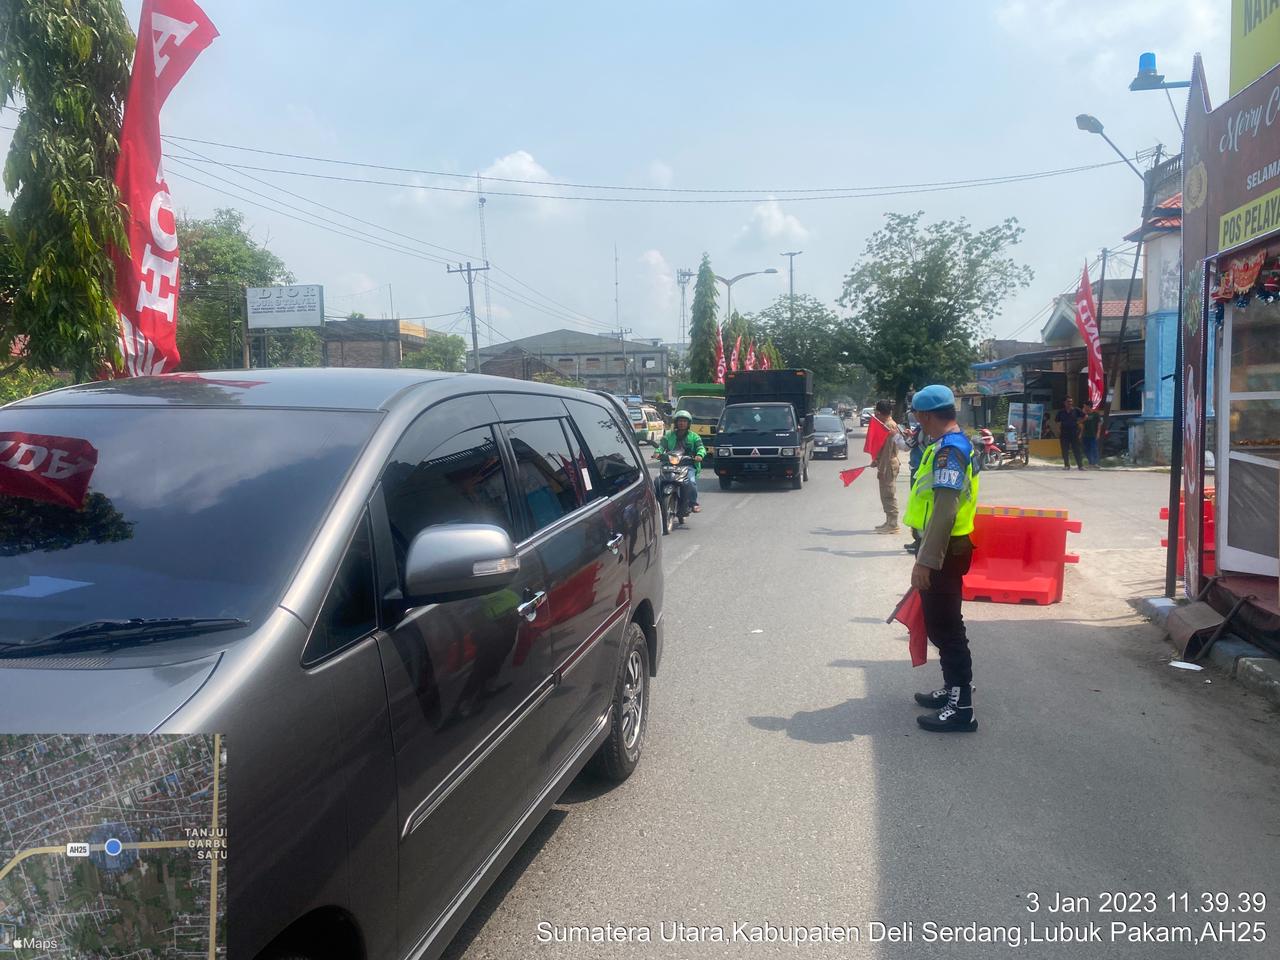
{"x": 529, "y": 609}
{"x": 615, "y": 543}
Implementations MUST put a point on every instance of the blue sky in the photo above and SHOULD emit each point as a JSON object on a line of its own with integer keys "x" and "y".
{"x": 693, "y": 95}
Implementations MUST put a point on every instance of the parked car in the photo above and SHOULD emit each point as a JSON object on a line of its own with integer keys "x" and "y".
{"x": 826, "y": 410}
{"x": 829, "y": 438}
{"x": 864, "y": 418}
{"x": 415, "y": 605}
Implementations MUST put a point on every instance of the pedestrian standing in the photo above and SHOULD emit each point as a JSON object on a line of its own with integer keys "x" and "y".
{"x": 916, "y": 441}
{"x": 942, "y": 506}
{"x": 1089, "y": 429}
{"x": 886, "y": 461}
{"x": 1069, "y": 418}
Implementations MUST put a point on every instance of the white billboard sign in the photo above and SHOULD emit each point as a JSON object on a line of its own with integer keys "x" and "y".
{"x": 296, "y": 305}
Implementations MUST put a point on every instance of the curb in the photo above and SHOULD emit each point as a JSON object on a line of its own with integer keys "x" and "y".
{"x": 1248, "y": 665}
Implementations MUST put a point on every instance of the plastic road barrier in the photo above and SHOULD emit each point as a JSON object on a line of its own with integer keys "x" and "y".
{"x": 1020, "y": 555}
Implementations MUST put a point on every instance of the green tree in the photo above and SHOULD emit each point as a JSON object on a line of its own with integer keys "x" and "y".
{"x": 923, "y": 294}
{"x": 68, "y": 63}
{"x": 219, "y": 259}
{"x": 8, "y": 273}
{"x": 442, "y": 351}
{"x": 702, "y": 325}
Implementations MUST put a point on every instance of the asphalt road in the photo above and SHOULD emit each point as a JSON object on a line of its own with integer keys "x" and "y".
{"x": 785, "y": 780}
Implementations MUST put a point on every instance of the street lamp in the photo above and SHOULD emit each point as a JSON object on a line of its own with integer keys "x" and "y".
{"x": 1093, "y": 125}
{"x": 1148, "y": 79}
{"x": 728, "y": 287}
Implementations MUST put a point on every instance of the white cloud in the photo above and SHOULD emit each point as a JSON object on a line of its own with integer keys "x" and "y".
{"x": 661, "y": 174}
{"x": 769, "y": 223}
{"x": 659, "y": 285}
{"x": 1104, "y": 37}
{"x": 517, "y": 165}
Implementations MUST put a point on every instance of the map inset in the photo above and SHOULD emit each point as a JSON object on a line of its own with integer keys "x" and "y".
{"x": 112, "y": 847}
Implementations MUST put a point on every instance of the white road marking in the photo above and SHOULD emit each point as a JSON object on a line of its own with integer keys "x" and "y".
{"x": 681, "y": 559}
{"x": 744, "y": 501}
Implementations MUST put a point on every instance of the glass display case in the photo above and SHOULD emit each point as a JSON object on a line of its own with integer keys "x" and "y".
{"x": 1248, "y": 453}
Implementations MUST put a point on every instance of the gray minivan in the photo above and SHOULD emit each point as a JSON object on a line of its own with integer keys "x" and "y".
{"x": 415, "y": 604}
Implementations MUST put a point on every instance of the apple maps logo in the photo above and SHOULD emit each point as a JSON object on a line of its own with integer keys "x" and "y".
{"x": 34, "y": 943}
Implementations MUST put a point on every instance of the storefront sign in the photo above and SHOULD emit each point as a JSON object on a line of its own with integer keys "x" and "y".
{"x": 295, "y": 305}
{"x": 1255, "y": 40}
{"x": 998, "y": 381}
{"x": 1250, "y": 221}
{"x": 1030, "y": 425}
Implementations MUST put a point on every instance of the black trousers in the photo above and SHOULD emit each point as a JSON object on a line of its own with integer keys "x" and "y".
{"x": 1071, "y": 445}
{"x": 942, "y": 617}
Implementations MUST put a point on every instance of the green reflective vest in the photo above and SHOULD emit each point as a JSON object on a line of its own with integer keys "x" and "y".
{"x": 920, "y": 501}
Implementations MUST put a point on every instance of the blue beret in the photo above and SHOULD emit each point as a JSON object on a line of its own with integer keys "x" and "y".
{"x": 933, "y": 397}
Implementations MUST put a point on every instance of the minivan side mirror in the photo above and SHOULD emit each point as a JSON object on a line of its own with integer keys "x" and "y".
{"x": 453, "y": 561}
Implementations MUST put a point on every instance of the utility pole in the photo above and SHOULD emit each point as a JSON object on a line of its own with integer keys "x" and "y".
{"x": 617, "y": 318}
{"x": 683, "y": 277}
{"x": 471, "y": 271}
{"x": 791, "y": 270}
{"x": 484, "y": 253}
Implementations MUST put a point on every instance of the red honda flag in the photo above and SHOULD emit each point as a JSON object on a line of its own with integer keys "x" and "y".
{"x": 751, "y": 356}
{"x": 1087, "y": 324}
{"x": 764, "y": 362}
{"x": 51, "y": 469}
{"x": 737, "y": 349}
{"x": 171, "y": 34}
{"x": 910, "y": 614}
{"x": 720, "y": 367}
{"x": 877, "y": 435}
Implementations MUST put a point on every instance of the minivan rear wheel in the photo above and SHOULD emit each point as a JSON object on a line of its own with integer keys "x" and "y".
{"x": 619, "y": 755}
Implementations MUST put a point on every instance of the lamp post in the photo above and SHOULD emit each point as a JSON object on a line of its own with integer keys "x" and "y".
{"x": 1093, "y": 125}
{"x": 728, "y": 286}
{"x": 791, "y": 273}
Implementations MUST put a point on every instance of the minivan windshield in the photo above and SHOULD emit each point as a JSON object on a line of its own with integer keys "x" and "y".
{"x": 746, "y": 419}
{"x": 123, "y": 513}
{"x": 828, "y": 424}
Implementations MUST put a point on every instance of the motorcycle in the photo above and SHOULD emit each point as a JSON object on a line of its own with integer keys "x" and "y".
{"x": 675, "y": 474}
{"x": 988, "y": 449}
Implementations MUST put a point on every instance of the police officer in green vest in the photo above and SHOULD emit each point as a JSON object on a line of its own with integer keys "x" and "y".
{"x": 941, "y": 506}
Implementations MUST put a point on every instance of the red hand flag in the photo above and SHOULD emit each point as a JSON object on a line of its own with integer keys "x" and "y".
{"x": 171, "y": 34}
{"x": 1087, "y": 324}
{"x": 910, "y": 614}
{"x": 877, "y": 435}
{"x": 848, "y": 476}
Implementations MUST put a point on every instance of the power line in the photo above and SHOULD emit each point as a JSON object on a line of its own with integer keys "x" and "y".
{"x": 869, "y": 192}
{"x": 621, "y": 187}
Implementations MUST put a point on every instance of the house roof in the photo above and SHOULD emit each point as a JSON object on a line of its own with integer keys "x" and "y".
{"x": 1166, "y": 216}
{"x": 569, "y": 341}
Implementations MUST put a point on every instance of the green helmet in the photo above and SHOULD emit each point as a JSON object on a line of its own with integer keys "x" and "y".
{"x": 682, "y": 414}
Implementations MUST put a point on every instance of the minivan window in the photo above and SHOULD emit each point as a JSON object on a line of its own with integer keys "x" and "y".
{"x": 459, "y": 481}
{"x": 616, "y": 466}
{"x": 161, "y": 512}
{"x": 546, "y": 470}
{"x": 350, "y": 610}
{"x": 828, "y": 424}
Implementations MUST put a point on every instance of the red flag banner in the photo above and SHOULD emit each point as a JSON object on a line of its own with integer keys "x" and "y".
{"x": 171, "y": 34}
{"x": 720, "y": 367}
{"x": 764, "y": 362}
{"x": 848, "y": 476}
{"x": 1087, "y": 324}
{"x": 49, "y": 469}
{"x": 751, "y": 356}
{"x": 737, "y": 350}
{"x": 877, "y": 435}
{"x": 910, "y": 614}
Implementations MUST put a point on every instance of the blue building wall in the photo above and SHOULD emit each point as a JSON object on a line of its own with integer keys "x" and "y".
{"x": 1157, "y": 388}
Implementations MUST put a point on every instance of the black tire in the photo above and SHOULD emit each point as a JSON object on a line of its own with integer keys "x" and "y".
{"x": 668, "y": 515}
{"x": 726, "y": 482}
{"x": 620, "y": 753}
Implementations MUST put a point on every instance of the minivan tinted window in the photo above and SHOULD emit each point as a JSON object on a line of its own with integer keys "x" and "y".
{"x": 757, "y": 419}
{"x": 460, "y": 480}
{"x": 548, "y": 477}
{"x": 124, "y": 512}
{"x": 616, "y": 466}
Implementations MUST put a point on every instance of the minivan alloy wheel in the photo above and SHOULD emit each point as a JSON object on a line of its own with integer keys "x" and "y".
{"x": 632, "y": 700}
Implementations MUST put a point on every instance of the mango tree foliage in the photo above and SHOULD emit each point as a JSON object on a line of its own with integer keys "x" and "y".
{"x": 65, "y": 63}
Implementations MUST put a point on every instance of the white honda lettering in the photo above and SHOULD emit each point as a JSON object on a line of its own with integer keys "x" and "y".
{"x": 162, "y": 238}
{"x": 164, "y": 29}
{"x": 156, "y": 271}
{"x": 60, "y": 467}
{"x": 27, "y": 457}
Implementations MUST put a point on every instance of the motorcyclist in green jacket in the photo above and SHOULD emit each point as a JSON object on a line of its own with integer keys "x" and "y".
{"x": 682, "y": 440}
